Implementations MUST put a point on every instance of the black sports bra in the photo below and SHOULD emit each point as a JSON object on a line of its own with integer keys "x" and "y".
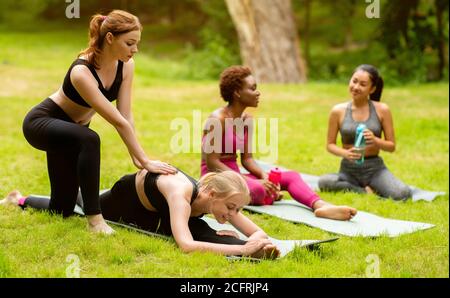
{"x": 110, "y": 94}
{"x": 154, "y": 195}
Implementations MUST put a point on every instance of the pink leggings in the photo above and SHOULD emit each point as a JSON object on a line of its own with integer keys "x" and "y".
{"x": 290, "y": 181}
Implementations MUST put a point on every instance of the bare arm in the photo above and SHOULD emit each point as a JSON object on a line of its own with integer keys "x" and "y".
{"x": 180, "y": 211}
{"x": 333, "y": 128}
{"x": 388, "y": 144}
{"x": 255, "y": 234}
{"x": 259, "y": 247}
{"x": 124, "y": 96}
{"x": 124, "y": 99}
{"x": 177, "y": 194}
{"x": 247, "y": 227}
{"x": 251, "y": 166}
{"x": 85, "y": 84}
{"x": 214, "y": 163}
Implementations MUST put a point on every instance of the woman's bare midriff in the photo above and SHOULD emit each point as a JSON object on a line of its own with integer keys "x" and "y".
{"x": 79, "y": 114}
{"x": 369, "y": 151}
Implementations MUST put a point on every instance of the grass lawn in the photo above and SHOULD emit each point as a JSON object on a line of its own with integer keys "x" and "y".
{"x": 36, "y": 244}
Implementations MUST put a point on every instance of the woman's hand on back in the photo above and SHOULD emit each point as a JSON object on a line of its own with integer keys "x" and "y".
{"x": 157, "y": 166}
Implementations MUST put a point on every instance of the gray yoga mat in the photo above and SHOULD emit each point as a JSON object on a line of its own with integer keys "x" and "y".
{"x": 285, "y": 246}
{"x": 362, "y": 225}
{"x": 313, "y": 182}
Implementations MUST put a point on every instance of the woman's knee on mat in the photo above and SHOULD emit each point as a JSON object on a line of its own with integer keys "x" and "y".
{"x": 400, "y": 193}
{"x": 328, "y": 181}
{"x": 257, "y": 193}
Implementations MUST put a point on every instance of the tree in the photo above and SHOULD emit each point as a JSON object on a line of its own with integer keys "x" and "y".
{"x": 441, "y": 6}
{"x": 345, "y": 10}
{"x": 412, "y": 32}
{"x": 268, "y": 39}
{"x": 20, "y": 12}
{"x": 394, "y": 25}
{"x": 306, "y": 6}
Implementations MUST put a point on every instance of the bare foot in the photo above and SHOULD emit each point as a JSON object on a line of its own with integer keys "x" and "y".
{"x": 335, "y": 212}
{"x": 11, "y": 199}
{"x": 97, "y": 224}
{"x": 279, "y": 197}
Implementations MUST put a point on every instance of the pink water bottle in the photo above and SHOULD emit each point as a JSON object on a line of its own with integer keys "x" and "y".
{"x": 275, "y": 178}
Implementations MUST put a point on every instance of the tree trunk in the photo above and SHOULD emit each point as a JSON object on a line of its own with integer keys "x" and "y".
{"x": 268, "y": 39}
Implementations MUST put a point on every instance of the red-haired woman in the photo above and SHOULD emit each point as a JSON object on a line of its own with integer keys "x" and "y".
{"x": 59, "y": 125}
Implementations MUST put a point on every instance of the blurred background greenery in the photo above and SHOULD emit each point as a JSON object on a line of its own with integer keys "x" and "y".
{"x": 408, "y": 43}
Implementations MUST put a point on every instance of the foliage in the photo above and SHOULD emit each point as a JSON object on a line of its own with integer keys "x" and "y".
{"x": 406, "y": 42}
{"x": 409, "y": 34}
{"x": 20, "y": 11}
{"x": 217, "y": 47}
{"x": 214, "y": 56}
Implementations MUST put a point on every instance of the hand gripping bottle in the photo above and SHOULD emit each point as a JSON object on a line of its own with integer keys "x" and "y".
{"x": 275, "y": 178}
{"x": 360, "y": 142}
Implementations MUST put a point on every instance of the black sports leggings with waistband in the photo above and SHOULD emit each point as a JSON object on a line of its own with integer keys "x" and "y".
{"x": 121, "y": 204}
{"x": 73, "y": 157}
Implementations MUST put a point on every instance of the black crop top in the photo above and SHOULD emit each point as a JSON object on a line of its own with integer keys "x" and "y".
{"x": 110, "y": 94}
{"x": 156, "y": 198}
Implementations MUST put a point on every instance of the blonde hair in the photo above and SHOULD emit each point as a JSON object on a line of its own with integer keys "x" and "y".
{"x": 117, "y": 22}
{"x": 225, "y": 184}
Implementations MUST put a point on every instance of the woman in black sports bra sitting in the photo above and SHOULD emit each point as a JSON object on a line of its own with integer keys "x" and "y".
{"x": 173, "y": 205}
{"x": 365, "y": 86}
{"x": 59, "y": 125}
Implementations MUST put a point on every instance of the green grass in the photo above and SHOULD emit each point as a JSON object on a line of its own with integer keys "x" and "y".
{"x": 36, "y": 244}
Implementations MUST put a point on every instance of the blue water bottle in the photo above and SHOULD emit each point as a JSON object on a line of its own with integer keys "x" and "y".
{"x": 360, "y": 142}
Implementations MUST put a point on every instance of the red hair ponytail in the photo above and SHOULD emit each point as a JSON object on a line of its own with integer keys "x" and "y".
{"x": 117, "y": 22}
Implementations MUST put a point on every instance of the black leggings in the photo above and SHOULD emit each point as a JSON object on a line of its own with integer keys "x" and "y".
{"x": 122, "y": 204}
{"x": 73, "y": 157}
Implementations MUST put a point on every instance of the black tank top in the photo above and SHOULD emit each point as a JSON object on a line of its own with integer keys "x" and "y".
{"x": 348, "y": 126}
{"x": 110, "y": 94}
